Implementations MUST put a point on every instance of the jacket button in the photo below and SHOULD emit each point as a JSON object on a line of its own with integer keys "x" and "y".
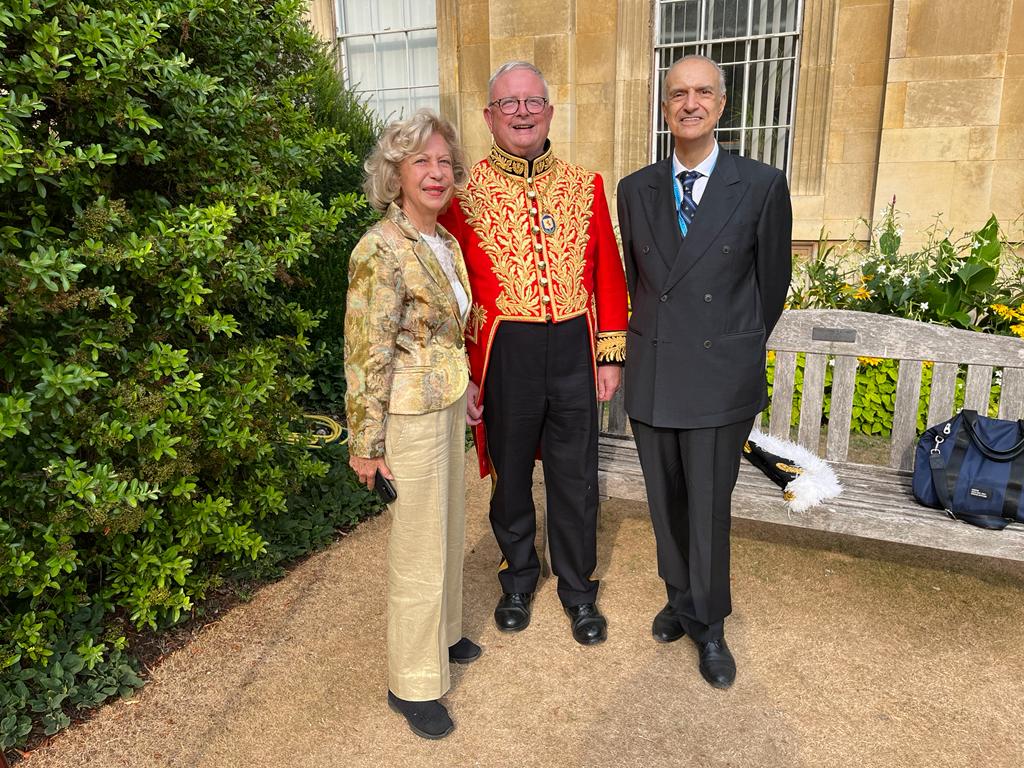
{"x": 726, "y": 249}
{"x": 707, "y": 297}
{"x": 707, "y": 344}
{"x": 664, "y": 297}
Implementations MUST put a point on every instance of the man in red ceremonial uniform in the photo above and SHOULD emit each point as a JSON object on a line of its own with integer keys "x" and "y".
{"x": 546, "y": 341}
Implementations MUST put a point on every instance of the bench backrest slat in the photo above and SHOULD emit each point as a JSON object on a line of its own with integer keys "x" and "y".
{"x": 812, "y": 396}
{"x": 782, "y": 395}
{"x": 904, "y": 420}
{"x": 1011, "y": 394}
{"x": 978, "y": 388}
{"x": 940, "y": 404}
{"x": 844, "y": 382}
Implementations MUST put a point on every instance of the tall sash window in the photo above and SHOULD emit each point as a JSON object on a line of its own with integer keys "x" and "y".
{"x": 389, "y": 53}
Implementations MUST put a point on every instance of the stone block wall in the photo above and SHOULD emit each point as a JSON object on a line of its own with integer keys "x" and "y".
{"x": 921, "y": 99}
{"x": 953, "y": 130}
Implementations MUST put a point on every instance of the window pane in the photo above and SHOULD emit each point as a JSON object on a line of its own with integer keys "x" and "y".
{"x": 680, "y": 21}
{"x": 422, "y": 13}
{"x": 362, "y": 64}
{"x": 356, "y": 16}
{"x": 393, "y": 60}
{"x": 423, "y": 50}
{"x": 394, "y": 104}
{"x": 727, "y": 18}
{"x": 390, "y": 14}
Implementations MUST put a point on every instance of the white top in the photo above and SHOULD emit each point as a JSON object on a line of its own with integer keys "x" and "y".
{"x": 704, "y": 167}
{"x": 446, "y": 259}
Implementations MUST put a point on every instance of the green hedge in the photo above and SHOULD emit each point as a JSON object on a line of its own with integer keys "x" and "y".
{"x": 159, "y": 231}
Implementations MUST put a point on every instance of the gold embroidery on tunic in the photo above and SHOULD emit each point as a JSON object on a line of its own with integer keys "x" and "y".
{"x": 477, "y": 320}
{"x": 497, "y": 208}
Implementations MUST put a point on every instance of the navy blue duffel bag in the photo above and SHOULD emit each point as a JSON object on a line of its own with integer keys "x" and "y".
{"x": 972, "y": 467}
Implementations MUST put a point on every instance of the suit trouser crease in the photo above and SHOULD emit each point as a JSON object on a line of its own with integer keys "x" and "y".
{"x": 540, "y": 391}
{"x": 426, "y": 543}
{"x": 690, "y": 475}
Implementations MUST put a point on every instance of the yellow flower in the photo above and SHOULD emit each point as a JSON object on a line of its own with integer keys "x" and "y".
{"x": 870, "y": 360}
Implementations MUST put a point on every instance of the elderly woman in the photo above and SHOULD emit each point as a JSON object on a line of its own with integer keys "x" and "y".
{"x": 407, "y": 375}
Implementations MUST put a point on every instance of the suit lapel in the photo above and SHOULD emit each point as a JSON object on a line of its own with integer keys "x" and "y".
{"x": 426, "y": 257}
{"x": 723, "y": 193}
{"x": 660, "y": 209}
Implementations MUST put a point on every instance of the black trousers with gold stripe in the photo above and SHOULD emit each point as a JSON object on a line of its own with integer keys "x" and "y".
{"x": 539, "y": 393}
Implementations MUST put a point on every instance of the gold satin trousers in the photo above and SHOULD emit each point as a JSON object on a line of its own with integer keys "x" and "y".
{"x": 426, "y": 454}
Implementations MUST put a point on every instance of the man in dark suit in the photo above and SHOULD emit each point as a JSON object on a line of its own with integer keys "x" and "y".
{"x": 707, "y": 243}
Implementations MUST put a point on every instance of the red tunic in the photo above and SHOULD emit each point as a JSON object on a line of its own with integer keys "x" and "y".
{"x": 538, "y": 248}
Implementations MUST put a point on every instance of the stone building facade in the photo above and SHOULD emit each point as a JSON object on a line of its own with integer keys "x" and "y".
{"x": 918, "y": 99}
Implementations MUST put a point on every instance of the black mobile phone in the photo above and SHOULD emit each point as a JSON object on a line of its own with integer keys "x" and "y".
{"x": 384, "y": 488}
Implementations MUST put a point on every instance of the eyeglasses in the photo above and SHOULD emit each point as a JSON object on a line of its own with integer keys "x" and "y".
{"x": 510, "y": 105}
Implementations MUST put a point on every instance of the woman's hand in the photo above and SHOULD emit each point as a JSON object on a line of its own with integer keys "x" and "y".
{"x": 474, "y": 409}
{"x": 366, "y": 469}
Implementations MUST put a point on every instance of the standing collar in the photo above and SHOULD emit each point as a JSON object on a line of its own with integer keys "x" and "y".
{"x": 704, "y": 167}
{"x": 514, "y": 165}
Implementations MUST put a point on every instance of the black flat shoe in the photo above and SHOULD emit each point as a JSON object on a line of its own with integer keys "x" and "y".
{"x": 589, "y": 627}
{"x": 428, "y": 719}
{"x": 464, "y": 651}
{"x": 717, "y": 665}
{"x": 512, "y": 613}
{"x": 666, "y": 628}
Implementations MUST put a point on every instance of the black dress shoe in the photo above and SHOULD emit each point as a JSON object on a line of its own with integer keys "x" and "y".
{"x": 666, "y": 628}
{"x": 716, "y": 663}
{"x": 513, "y": 611}
{"x": 428, "y": 719}
{"x": 464, "y": 651}
{"x": 588, "y": 625}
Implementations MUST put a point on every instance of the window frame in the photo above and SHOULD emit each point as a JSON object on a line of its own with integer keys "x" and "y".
{"x": 703, "y": 46}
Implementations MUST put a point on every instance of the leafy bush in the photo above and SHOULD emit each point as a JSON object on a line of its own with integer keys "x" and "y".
{"x": 973, "y": 282}
{"x": 158, "y": 167}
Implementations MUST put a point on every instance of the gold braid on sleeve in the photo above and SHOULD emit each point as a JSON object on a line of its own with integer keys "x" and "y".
{"x": 611, "y": 347}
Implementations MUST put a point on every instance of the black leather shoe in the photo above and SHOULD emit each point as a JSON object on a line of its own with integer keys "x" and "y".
{"x": 428, "y": 719}
{"x": 589, "y": 627}
{"x": 513, "y": 611}
{"x": 716, "y": 663}
{"x": 464, "y": 651}
{"x": 666, "y": 628}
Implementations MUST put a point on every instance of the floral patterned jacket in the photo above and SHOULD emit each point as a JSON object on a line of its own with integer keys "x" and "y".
{"x": 404, "y": 346}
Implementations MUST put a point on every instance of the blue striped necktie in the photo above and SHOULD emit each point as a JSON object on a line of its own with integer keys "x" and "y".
{"x": 687, "y": 208}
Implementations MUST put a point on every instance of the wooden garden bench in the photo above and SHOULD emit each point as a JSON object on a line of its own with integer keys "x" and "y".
{"x": 876, "y": 501}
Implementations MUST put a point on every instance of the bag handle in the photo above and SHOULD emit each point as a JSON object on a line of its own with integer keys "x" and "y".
{"x": 996, "y": 454}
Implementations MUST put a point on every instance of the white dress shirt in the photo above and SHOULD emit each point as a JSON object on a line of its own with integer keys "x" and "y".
{"x": 704, "y": 167}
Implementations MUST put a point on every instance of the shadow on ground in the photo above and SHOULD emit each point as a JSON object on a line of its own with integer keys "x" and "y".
{"x": 850, "y": 654}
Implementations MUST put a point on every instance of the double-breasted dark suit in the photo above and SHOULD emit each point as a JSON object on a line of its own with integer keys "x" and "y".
{"x": 702, "y": 310}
